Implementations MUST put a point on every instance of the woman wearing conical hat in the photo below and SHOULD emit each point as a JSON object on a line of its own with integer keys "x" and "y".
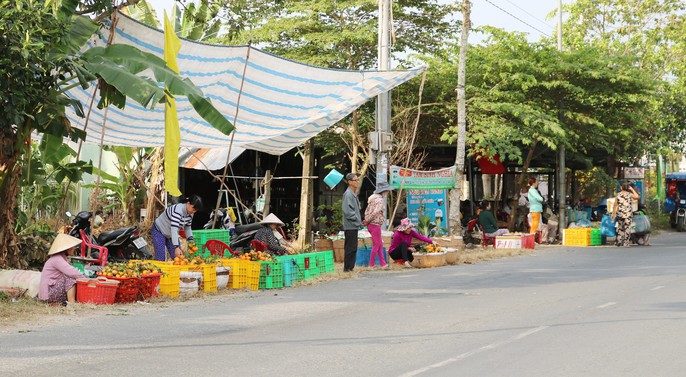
{"x": 58, "y": 277}
{"x": 266, "y": 234}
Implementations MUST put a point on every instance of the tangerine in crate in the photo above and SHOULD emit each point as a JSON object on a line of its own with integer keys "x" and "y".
{"x": 128, "y": 290}
{"x": 150, "y": 286}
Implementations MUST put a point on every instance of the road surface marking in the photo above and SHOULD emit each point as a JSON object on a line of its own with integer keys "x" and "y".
{"x": 474, "y": 352}
{"x": 603, "y": 306}
{"x": 658, "y": 287}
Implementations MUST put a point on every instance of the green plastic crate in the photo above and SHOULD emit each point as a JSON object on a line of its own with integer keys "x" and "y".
{"x": 325, "y": 262}
{"x": 79, "y": 266}
{"x": 596, "y": 238}
{"x": 203, "y": 235}
{"x": 328, "y": 261}
{"x": 307, "y": 265}
{"x": 271, "y": 275}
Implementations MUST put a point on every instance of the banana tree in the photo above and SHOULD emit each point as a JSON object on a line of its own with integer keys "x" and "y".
{"x": 42, "y": 61}
{"x": 123, "y": 190}
{"x": 49, "y": 161}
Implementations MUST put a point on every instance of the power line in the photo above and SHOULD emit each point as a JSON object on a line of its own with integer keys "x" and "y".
{"x": 518, "y": 19}
{"x": 532, "y": 16}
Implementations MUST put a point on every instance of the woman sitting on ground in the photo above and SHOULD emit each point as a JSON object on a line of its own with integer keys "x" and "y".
{"x": 487, "y": 221}
{"x": 271, "y": 224}
{"x": 58, "y": 277}
{"x": 401, "y": 248}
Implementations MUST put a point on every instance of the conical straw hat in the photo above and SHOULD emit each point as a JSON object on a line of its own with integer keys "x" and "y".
{"x": 272, "y": 219}
{"x": 63, "y": 242}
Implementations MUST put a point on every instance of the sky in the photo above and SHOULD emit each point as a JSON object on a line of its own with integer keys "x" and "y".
{"x": 527, "y": 16}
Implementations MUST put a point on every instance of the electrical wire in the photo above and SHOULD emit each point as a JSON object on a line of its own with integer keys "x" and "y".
{"x": 531, "y": 15}
{"x": 518, "y": 19}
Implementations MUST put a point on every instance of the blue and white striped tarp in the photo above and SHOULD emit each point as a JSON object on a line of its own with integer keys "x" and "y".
{"x": 283, "y": 103}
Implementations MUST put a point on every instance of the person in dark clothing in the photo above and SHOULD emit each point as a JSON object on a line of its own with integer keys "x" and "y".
{"x": 487, "y": 221}
{"x": 352, "y": 220}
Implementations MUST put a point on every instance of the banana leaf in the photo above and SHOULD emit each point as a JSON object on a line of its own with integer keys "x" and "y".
{"x": 120, "y": 65}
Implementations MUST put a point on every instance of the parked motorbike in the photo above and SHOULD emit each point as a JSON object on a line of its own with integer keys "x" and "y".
{"x": 472, "y": 234}
{"x": 675, "y": 201}
{"x": 243, "y": 235}
{"x": 121, "y": 244}
{"x": 223, "y": 220}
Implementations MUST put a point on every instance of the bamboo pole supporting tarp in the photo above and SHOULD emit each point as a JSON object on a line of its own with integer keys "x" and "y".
{"x": 233, "y": 134}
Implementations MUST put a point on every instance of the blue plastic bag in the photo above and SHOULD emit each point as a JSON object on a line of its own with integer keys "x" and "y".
{"x": 640, "y": 224}
{"x": 607, "y": 226}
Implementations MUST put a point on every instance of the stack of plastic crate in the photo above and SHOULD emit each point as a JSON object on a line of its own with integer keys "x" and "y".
{"x": 290, "y": 269}
{"x": 596, "y": 238}
{"x": 271, "y": 275}
{"x": 243, "y": 273}
{"x": 170, "y": 279}
{"x": 307, "y": 265}
{"x": 203, "y": 235}
{"x": 577, "y": 237}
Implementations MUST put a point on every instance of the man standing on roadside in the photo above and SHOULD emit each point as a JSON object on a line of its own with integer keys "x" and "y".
{"x": 352, "y": 220}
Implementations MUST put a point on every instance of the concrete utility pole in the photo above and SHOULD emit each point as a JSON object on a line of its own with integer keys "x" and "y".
{"x": 456, "y": 193}
{"x": 561, "y": 182}
{"x": 383, "y": 101}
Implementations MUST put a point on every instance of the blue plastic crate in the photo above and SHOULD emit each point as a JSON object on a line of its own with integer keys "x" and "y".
{"x": 290, "y": 269}
{"x": 364, "y": 254}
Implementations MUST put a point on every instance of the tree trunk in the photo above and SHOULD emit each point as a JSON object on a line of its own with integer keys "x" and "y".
{"x": 357, "y": 143}
{"x": 10, "y": 174}
{"x": 611, "y": 171}
{"x": 456, "y": 194}
{"x": 306, "y": 195}
{"x": 521, "y": 183}
{"x": 156, "y": 188}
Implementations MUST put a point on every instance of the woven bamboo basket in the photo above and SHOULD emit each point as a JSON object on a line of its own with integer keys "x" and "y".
{"x": 428, "y": 260}
{"x": 451, "y": 255}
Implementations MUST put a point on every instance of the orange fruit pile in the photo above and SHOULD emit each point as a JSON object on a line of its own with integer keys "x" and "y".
{"x": 254, "y": 255}
{"x": 130, "y": 269}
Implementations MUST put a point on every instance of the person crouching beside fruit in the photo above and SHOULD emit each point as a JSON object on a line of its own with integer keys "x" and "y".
{"x": 58, "y": 277}
{"x": 271, "y": 224}
{"x": 165, "y": 229}
{"x": 402, "y": 239}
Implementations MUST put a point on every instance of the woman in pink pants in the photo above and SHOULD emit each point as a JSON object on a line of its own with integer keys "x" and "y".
{"x": 374, "y": 217}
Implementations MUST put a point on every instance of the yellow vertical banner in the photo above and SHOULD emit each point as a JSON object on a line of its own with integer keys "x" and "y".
{"x": 172, "y": 134}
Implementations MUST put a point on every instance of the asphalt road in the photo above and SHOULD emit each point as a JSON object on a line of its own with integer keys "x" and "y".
{"x": 562, "y": 311}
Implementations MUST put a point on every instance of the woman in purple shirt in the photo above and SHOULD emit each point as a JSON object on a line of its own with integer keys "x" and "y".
{"x": 401, "y": 248}
{"x": 58, "y": 278}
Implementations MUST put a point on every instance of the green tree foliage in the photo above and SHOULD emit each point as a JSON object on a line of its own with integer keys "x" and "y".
{"x": 652, "y": 32}
{"x": 40, "y": 61}
{"x": 523, "y": 94}
{"x": 339, "y": 34}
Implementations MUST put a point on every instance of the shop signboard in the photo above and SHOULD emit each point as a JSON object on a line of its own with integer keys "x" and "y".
{"x": 430, "y": 202}
{"x": 422, "y": 179}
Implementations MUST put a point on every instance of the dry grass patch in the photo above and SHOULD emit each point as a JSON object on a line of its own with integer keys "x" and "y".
{"x": 483, "y": 254}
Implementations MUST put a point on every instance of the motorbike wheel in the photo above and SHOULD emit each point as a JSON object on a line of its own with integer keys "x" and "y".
{"x": 680, "y": 224}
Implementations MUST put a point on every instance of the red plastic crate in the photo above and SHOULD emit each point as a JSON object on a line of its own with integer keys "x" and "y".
{"x": 149, "y": 286}
{"x": 99, "y": 291}
{"x": 528, "y": 241}
{"x": 128, "y": 290}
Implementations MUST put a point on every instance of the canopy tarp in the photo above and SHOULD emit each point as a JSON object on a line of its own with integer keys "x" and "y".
{"x": 282, "y": 104}
{"x": 207, "y": 158}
